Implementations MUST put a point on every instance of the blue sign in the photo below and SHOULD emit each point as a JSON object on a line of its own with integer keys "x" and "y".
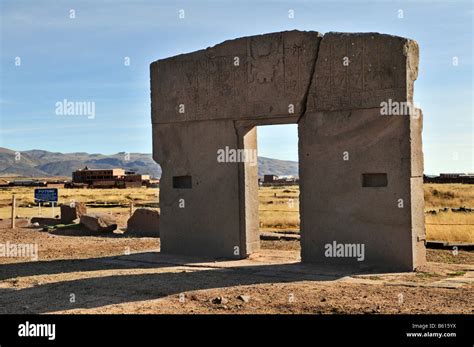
{"x": 46, "y": 195}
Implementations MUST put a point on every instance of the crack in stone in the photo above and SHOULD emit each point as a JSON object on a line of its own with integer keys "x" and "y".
{"x": 306, "y": 94}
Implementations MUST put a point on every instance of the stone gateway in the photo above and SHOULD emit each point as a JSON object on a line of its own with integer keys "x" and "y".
{"x": 361, "y": 170}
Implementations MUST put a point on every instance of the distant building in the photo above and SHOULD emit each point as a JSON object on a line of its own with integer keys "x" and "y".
{"x": 456, "y": 175}
{"x": 465, "y": 178}
{"x": 28, "y": 183}
{"x": 279, "y": 180}
{"x": 90, "y": 176}
{"x": 287, "y": 178}
{"x": 153, "y": 183}
{"x": 136, "y": 180}
{"x": 269, "y": 178}
{"x": 108, "y": 178}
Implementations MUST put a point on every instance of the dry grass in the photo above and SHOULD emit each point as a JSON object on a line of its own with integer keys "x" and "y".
{"x": 278, "y": 208}
{"x": 279, "y": 220}
{"x": 439, "y": 196}
{"x": 448, "y": 225}
{"x": 276, "y": 214}
{"x": 27, "y": 208}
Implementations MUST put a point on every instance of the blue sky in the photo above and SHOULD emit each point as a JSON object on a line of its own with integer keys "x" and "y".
{"x": 82, "y": 59}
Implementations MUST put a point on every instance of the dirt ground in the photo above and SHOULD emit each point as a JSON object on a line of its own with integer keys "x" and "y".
{"x": 78, "y": 272}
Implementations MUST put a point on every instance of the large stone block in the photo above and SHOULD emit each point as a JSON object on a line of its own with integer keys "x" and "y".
{"x": 257, "y": 76}
{"x": 99, "y": 222}
{"x": 199, "y": 196}
{"x": 69, "y": 213}
{"x": 144, "y": 222}
{"x": 361, "y": 70}
{"x": 342, "y": 155}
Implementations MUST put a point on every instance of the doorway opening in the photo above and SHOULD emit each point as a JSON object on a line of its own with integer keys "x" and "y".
{"x": 278, "y": 186}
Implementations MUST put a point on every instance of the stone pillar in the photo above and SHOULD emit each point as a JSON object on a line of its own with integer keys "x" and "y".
{"x": 361, "y": 170}
{"x": 248, "y": 191}
{"x": 199, "y": 197}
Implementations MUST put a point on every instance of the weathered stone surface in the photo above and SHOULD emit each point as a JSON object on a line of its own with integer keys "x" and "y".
{"x": 357, "y": 71}
{"x": 144, "y": 222}
{"x": 69, "y": 213}
{"x": 204, "y": 219}
{"x": 335, "y": 206}
{"x": 374, "y": 198}
{"x": 244, "y": 298}
{"x": 256, "y": 76}
{"x": 98, "y": 222}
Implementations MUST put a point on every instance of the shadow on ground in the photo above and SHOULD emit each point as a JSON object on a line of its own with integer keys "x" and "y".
{"x": 82, "y": 231}
{"x": 188, "y": 274}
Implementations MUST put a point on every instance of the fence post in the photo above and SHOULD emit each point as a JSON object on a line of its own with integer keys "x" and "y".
{"x": 13, "y": 210}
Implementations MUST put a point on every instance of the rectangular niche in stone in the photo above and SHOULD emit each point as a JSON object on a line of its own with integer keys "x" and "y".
{"x": 182, "y": 182}
{"x": 374, "y": 180}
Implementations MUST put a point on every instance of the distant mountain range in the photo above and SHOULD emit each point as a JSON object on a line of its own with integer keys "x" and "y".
{"x": 39, "y": 163}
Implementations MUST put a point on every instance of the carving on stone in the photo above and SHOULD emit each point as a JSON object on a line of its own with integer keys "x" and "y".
{"x": 274, "y": 71}
{"x": 376, "y": 71}
{"x": 265, "y": 67}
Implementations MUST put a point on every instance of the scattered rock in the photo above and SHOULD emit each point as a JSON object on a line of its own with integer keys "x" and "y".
{"x": 323, "y": 299}
{"x": 45, "y": 221}
{"x": 219, "y": 300}
{"x": 244, "y": 298}
{"x": 69, "y": 213}
{"x": 144, "y": 222}
{"x": 99, "y": 222}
